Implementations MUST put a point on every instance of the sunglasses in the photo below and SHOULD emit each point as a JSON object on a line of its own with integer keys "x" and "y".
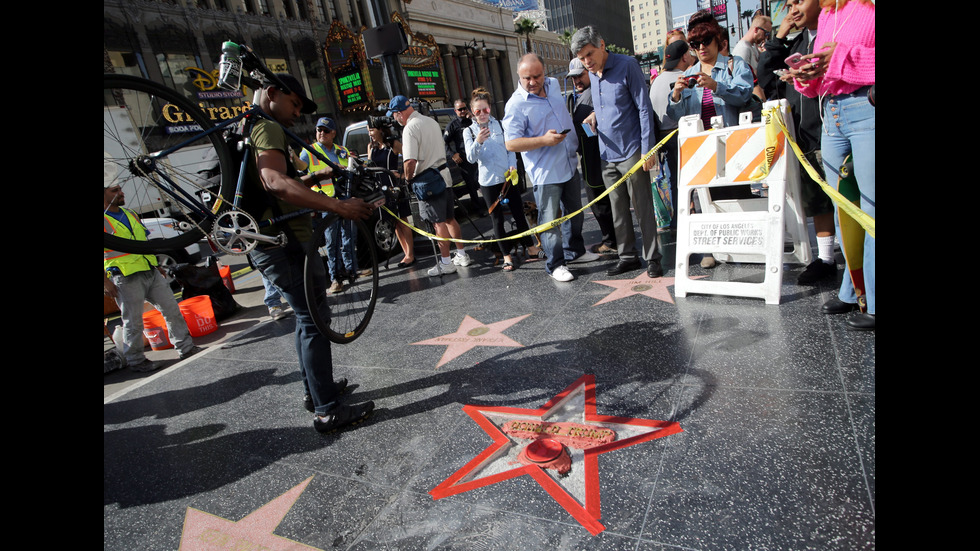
{"x": 696, "y": 44}
{"x": 461, "y": 109}
{"x": 323, "y": 129}
{"x": 484, "y": 110}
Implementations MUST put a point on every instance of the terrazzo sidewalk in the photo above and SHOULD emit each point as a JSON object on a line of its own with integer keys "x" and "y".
{"x": 775, "y": 407}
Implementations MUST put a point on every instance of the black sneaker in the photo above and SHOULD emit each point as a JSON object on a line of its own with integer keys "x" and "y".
{"x": 342, "y": 416}
{"x": 818, "y": 270}
{"x": 341, "y": 385}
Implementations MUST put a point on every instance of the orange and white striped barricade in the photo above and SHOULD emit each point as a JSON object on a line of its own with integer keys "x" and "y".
{"x": 756, "y": 230}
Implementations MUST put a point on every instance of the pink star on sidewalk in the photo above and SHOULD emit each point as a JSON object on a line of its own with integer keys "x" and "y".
{"x": 255, "y": 531}
{"x": 643, "y": 285}
{"x": 473, "y": 333}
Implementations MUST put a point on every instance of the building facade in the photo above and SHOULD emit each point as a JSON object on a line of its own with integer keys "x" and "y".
{"x": 611, "y": 19}
{"x": 454, "y": 46}
{"x": 650, "y": 21}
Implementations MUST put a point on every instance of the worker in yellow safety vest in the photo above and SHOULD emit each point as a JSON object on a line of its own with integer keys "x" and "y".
{"x": 341, "y": 236}
{"x": 132, "y": 279}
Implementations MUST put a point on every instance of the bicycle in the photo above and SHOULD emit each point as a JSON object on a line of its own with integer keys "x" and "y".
{"x": 169, "y": 157}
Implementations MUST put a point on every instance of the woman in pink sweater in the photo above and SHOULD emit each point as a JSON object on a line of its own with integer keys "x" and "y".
{"x": 841, "y": 72}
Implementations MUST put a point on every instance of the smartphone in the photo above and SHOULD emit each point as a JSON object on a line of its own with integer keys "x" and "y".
{"x": 565, "y": 131}
{"x": 796, "y": 60}
{"x": 484, "y": 125}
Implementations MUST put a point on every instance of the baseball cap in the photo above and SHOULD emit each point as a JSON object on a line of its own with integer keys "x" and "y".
{"x": 575, "y": 68}
{"x": 673, "y": 54}
{"x": 397, "y": 104}
{"x": 327, "y": 123}
{"x": 294, "y": 86}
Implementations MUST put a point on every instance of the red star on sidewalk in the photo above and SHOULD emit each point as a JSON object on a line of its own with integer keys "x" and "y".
{"x": 577, "y": 493}
{"x": 472, "y": 333}
{"x": 642, "y": 285}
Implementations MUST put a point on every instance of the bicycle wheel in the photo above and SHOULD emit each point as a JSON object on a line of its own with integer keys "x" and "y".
{"x": 350, "y": 308}
{"x": 141, "y": 118}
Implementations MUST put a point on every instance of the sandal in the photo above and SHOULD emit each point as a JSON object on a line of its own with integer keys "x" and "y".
{"x": 508, "y": 267}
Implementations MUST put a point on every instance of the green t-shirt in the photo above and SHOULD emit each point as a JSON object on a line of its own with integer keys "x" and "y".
{"x": 268, "y": 135}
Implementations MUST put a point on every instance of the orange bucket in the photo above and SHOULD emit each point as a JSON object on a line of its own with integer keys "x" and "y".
{"x": 199, "y": 315}
{"x": 155, "y": 330}
{"x": 225, "y": 273}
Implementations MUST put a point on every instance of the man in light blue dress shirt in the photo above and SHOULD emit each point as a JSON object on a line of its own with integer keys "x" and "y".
{"x": 625, "y": 122}
{"x": 537, "y": 124}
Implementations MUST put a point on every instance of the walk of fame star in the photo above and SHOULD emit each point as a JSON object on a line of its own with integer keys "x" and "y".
{"x": 255, "y": 531}
{"x": 653, "y": 287}
{"x": 578, "y": 490}
{"x": 472, "y": 333}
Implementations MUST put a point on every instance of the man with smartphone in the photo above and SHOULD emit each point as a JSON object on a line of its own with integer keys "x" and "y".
{"x": 537, "y": 125}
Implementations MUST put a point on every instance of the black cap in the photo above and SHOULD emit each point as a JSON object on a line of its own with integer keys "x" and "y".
{"x": 294, "y": 86}
{"x": 673, "y": 54}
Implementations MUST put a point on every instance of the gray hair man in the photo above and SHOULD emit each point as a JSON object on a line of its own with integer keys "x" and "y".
{"x": 625, "y": 123}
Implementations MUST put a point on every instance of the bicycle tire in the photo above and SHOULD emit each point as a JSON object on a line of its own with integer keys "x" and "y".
{"x": 350, "y": 310}
{"x": 142, "y": 116}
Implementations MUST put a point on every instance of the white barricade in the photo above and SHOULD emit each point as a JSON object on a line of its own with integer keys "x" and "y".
{"x": 756, "y": 230}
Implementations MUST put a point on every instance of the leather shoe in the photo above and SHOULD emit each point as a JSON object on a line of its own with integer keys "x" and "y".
{"x": 624, "y": 265}
{"x": 837, "y": 306}
{"x": 861, "y": 322}
{"x": 654, "y": 269}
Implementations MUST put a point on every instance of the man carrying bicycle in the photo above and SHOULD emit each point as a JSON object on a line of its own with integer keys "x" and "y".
{"x": 272, "y": 179}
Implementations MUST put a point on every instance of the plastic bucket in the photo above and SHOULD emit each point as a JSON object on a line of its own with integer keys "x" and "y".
{"x": 155, "y": 330}
{"x": 199, "y": 315}
{"x": 225, "y": 273}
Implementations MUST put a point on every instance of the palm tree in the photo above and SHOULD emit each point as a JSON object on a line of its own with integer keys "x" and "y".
{"x": 526, "y": 27}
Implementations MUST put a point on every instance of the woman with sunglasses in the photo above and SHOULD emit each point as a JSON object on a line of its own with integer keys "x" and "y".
{"x": 715, "y": 89}
{"x": 484, "y": 142}
{"x": 841, "y": 72}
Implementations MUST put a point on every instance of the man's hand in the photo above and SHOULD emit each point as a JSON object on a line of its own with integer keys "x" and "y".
{"x": 457, "y": 158}
{"x": 553, "y": 137}
{"x": 650, "y": 163}
{"x": 109, "y": 287}
{"x": 786, "y": 27}
{"x": 353, "y": 209}
{"x": 590, "y": 120}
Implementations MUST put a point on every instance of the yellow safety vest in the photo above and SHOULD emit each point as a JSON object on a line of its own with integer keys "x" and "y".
{"x": 126, "y": 262}
{"x": 316, "y": 165}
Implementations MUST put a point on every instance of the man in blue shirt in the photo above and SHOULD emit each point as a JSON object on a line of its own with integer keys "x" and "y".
{"x": 537, "y": 125}
{"x": 626, "y": 125}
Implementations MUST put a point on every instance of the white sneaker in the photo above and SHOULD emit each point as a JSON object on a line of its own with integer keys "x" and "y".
{"x": 561, "y": 273}
{"x": 277, "y": 312}
{"x": 589, "y": 256}
{"x": 442, "y": 269}
{"x": 462, "y": 259}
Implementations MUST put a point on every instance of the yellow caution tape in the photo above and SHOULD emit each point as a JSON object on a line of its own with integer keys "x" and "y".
{"x": 866, "y": 221}
{"x": 512, "y": 176}
{"x": 761, "y": 172}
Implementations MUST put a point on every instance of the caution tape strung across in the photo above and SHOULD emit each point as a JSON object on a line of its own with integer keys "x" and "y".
{"x": 512, "y": 175}
{"x": 866, "y": 221}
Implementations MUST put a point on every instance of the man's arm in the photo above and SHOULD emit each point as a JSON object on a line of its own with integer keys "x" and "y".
{"x": 518, "y": 145}
{"x": 272, "y": 171}
{"x": 409, "y": 166}
{"x": 648, "y": 123}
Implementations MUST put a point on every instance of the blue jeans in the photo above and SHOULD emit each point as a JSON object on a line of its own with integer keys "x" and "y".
{"x": 554, "y": 201}
{"x": 284, "y": 268}
{"x": 341, "y": 237}
{"x": 272, "y": 296}
{"x": 849, "y": 128}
